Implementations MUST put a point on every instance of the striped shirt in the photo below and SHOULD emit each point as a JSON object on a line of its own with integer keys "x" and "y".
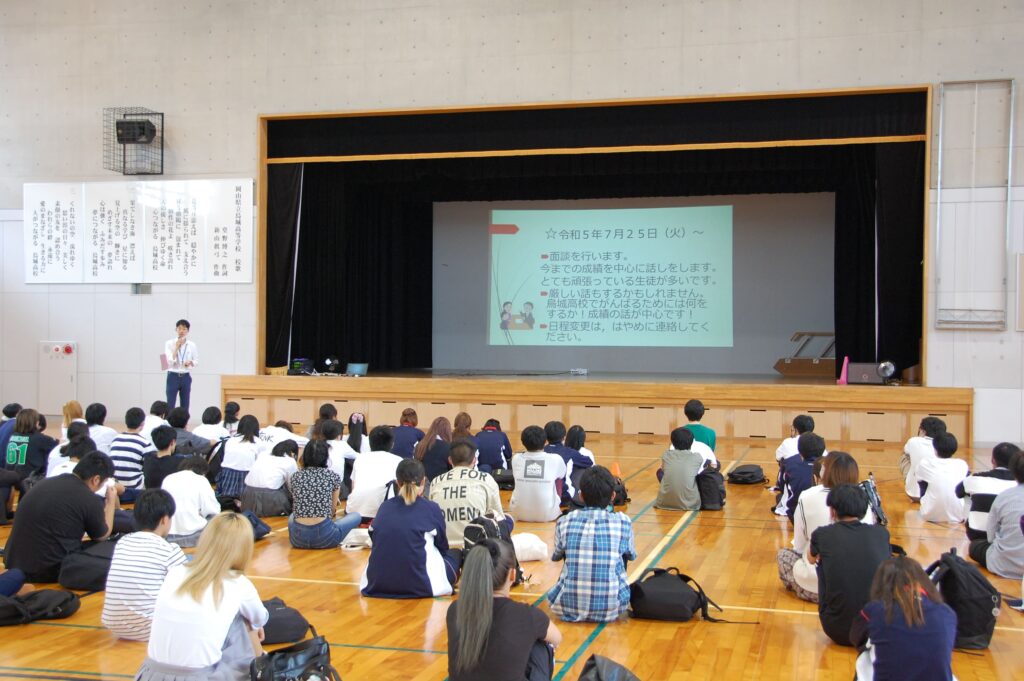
{"x": 126, "y": 451}
{"x": 979, "y": 491}
{"x": 140, "y": 563}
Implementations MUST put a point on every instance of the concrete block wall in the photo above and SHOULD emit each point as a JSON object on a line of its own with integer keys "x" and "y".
{"x": 212, "y": 67}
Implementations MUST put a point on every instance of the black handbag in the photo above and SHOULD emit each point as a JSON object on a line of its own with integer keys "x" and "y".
{"x": 86, "y": 570}
{"x": 666, "y": 595}
{"x": 305, "y": 661}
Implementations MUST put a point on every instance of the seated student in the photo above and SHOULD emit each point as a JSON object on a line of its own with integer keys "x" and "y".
{"x": 802, "y": 423}
{"x": 797, "y": 470}
{"x": 315, "y": 488}
{"x": 1002, "y": 551}
{"x": 909, "y": 631}
{"x": 266, "y": 485}
{"x": 465, "y": 493}
{"x": 812, "y": 512}
{"x": 694, "y": 411}
{"x": 373, "y": 473}
{"x": 576, "y": 438}
{"x": 140, "y": 563}
{"x": 211, "y": 428}
{"x": 9, "y": 481}
{"x": 127, "y": 451}
{"x": 432, "y": 450}
{"x": 52, "y": 519}
{"x": 846, "y": 553}
{"x": 95, "y": 415}
{"x": 979, "y": 490}
{"x": 494, "y": 447}
{"x": 410, "y": 556}
{"x": 273, "y": 435}
{"x": 231, "y": 418}
{"x": 358, "y": 427}
{"x": 539, "y": 476}
{"x": 28, "y": 448}
{"x": 194, "y": 500}
{"x": 575, "y": 463}
{"x": 157, "y": 466}
{"x": 406, "y": 435}
{"x": 678, "y": 474}
{"x": 461, "y": 429}
{"x": 187, "y": 443}
{"x": 342, "y": 456}
{"x": 156, "y": 417}
{"x": 71, "y": 454}
{"x": 327, "y": 412}
{"x": 917, "y": 449}
{"x": 938, "y": 478}
{"x": 72, "y": 411}
{"x": 595, "y": 542}
{"x": 240, "y": 452}
{"x": 208, "y": 619}
{"x": 77, "y": 429}
{"x": 491, "y": 636}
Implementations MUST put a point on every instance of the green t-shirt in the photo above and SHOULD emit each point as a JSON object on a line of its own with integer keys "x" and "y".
{"x": 702, "y": 433}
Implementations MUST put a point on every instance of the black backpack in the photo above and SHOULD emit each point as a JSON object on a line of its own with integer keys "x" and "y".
{"x": 620, "y": 496}
{"x": 486, "y": 527}
{"x": 711, "y": 486}
{"x": 662, "y": 594}
{"x": 41, "y": 604}
{"x": 86, "y": 570}
{"x": 972, "y": 597}
{"x": 747, "y": 474}
{"x": 285, "y": 625}
{"x": 598, "y": 668}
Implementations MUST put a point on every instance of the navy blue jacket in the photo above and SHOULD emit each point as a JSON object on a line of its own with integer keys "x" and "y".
{"x": 495, "y": 450}
{"x": 406, "y": 438}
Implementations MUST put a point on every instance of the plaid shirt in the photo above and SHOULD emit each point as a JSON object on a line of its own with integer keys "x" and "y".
{"x": 592, "y": 586}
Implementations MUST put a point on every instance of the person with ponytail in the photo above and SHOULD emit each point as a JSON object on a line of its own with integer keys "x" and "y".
{"x": 461, "y": 429}
{"x": 410, "y": 557}
{"x": 905, "y": 631}
{"x": 407, "y": 435}
{"x": 208, "y": 619}
{"x": 523, "y": 637}
{"x": 432, "y": 450}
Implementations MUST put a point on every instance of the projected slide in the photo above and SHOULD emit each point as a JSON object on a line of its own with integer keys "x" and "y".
{"x": 639, "y": 277}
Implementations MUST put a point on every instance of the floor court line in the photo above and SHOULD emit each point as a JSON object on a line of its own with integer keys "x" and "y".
{"x": 5, "y": 669}
{"x": 783, "y": 611}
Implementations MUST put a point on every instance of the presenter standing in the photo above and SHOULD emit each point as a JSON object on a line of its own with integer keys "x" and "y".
{"x": 182, "y": 356}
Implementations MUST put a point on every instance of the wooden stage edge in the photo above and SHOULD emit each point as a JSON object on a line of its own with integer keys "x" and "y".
{"x": 745, "y": 407}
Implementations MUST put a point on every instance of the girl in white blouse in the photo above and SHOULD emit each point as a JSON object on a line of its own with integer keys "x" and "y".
{"x": 208, "y": 620}
{"x": 240, "y": 452}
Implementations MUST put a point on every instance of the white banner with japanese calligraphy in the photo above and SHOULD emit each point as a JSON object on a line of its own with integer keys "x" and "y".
{"x": 176, "y": 231}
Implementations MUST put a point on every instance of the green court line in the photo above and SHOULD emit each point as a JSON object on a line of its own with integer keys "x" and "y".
{"x": 633, "y": 475}
{"x": 65, "y": 671}
{"x": 65, "y": 624}
{"x": 579, "y": 651}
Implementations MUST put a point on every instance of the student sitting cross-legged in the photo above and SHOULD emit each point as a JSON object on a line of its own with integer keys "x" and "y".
{"x": 208, "y": 619}
{"x": 981, "y": 489}
{"x": 315, "y": 489}
{"x": 938, "y": 478}
{"x": 1002, "y": 550}
{"x": 678, "y": 474}
{"x": 595, "y": 542}
{"x": 140, "y": 563}
{"x": 266, "y": 490}
{"x": 373, "y": 473}
{"x": 906, "y": 631}
{"x": 194, "y": 500}
{"x": 464, "y": 493}
{"x": 491, "y": 636}
{"x": 540, "y": 479}
{"x": 410, "y": 557}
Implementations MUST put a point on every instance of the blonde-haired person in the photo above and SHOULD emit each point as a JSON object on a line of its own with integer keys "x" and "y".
{"x": 524, "y": 636}
{"x": 410, "y": 557}
{"x": 208, "y": 620}
{"x": 72, "y": 411}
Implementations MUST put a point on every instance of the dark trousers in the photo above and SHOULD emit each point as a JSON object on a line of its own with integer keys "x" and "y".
{"x": 178, "y": 383}
{"x": 541, "y": 665}
{"x": 11, "y": 582}
{"x": 978, "y": 551}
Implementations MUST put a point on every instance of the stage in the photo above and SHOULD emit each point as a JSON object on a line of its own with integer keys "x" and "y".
{"x": 738, "y": 406}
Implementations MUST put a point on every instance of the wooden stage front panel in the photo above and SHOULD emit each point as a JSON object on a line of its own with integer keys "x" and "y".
{"x": 856, "y": 413}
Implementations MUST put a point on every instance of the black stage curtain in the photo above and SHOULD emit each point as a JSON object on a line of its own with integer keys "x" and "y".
{"x": 284, "y": 183}
{"x": 364, "y": 285}
{"x": 602, "y": 125}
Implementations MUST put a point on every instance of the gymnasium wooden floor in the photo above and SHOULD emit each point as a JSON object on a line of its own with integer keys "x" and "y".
{"x": 731, "y": 553}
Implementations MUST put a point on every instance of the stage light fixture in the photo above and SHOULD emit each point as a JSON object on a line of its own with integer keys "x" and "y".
{"x": 332, "y": 365}
{"x": 886, "y": 370}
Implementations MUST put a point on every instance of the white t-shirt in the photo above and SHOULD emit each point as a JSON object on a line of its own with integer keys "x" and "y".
{"x": 787, "y": 449}
{"x": 54, "y": 459}
{"x": 191, "y": 634}
{"x": 194, "y": 501}
{"x": 64, "y": 429}
{"x": 589, "y": 454}
{"x": 371, "y": 474}
{"x": 341, "y": 450}
{"x": 917, "y": 448}
{"x": 240, "y": 455}
{"x": 706, "y": 453}
{"x": 272, "y": 435}
{"x": 152, "y": 421}
{"x": 271, "y": 472}
{"x": 102, "y": 436}
{"x": 811, "y": 513}
{"x": 60, "y": 467}
{"x": 535, "y": 497}
{"x": 211, "y": 431}
{"x": 141, "y": 561}
{"x": 940, "y": 503}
